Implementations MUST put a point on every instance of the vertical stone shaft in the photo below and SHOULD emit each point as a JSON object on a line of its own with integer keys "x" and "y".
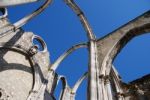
{"x": 93, "y": 63}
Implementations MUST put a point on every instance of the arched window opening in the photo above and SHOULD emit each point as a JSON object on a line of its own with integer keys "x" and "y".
{"x": 58, "y": 90}
{"x": 133, "y": 61}
{"x": 82, "y": 91}
{"x": 73, "y": 67}
{"x": 1, "y": 13}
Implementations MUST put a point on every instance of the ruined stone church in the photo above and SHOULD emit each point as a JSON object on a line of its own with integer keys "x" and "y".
{"x": 26, "y": 72}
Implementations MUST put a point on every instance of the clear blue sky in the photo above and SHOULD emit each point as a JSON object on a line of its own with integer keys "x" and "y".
{"x": 61, "y": 29}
